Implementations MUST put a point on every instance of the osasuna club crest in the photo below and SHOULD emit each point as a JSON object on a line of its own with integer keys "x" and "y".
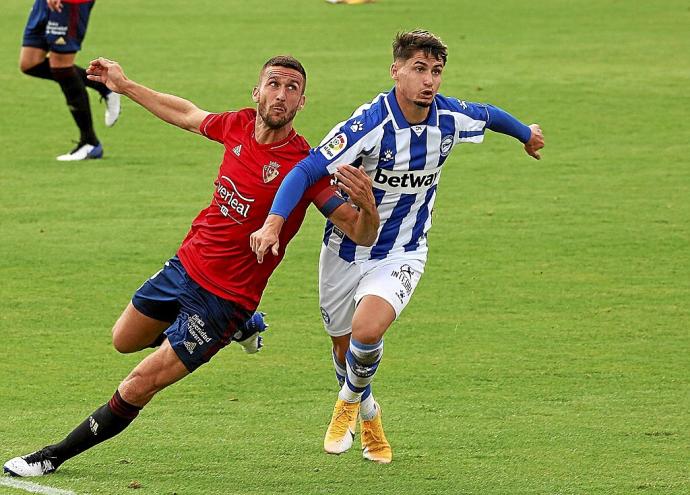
{"x": 271, "y": 171}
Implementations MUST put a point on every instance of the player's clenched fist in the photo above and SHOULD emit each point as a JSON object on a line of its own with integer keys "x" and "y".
{"x": 535, "y": 143}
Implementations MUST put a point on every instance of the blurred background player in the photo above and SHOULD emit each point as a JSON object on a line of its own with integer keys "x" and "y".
{"x": 402, "y": 138}
{"x": 350, "y": 2}
{"x": 52, "y": 37}
{"x": 201, "y": 298}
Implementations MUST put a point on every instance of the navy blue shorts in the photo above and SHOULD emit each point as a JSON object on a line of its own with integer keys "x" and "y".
{"x": 201, "y": 323}
{"x": 60, "y": 32}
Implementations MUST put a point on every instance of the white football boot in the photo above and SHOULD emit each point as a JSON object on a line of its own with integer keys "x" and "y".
{"x": 82, "y": 152}
{"x": 35, "y": 464}
{"x": 112, "y": 108}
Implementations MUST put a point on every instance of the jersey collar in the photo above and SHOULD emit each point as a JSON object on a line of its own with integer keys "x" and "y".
{"x": 399, "y": 120}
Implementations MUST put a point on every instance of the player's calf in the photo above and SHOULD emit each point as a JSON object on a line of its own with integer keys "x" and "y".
{"x": 103, "y": 424}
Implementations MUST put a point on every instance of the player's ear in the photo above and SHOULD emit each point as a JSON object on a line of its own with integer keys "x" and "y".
{"x": 394, "y": 71}
{"x": 302, "y": 102}
{"x": 255, "y": 94}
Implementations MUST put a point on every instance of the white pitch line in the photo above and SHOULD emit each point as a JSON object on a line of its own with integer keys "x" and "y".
{"x": 28, "y": 486}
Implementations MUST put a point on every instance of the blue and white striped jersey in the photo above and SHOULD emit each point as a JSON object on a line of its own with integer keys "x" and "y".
{"x": 405, "y": 163}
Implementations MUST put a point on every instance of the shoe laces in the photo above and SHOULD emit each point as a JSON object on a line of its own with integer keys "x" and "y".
{"x": 342, "y": 421}
{"x": 374, "y": 435}
{"x": 42, "y": 458}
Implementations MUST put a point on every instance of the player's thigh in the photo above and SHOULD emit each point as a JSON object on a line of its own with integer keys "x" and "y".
{"x": 35, "y": 29}
{"x": 154, "y": 306}
{"x": 30, "y": 56}
{"x": 205, "y": 324}
{"x": 372, "y": 318}
{"x": 158, "y": 370}
{"x": 383, "y": 293}
{"x": 338, "y": 281}
{"x": 134, "y": 330}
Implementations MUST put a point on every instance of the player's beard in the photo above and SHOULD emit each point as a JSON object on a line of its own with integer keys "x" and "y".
{"x": 274, "y": 122}
{"x": 423, "y": 104}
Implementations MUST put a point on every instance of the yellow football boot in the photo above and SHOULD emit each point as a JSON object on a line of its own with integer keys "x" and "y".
{"x": 341, "y": 431}
{"x": 375, "y": 447}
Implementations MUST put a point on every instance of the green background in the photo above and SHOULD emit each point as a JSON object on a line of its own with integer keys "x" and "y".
{"x": 546, "y": 350}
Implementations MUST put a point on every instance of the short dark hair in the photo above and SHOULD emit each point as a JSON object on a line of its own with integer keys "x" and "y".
{"x": 289, "y": 62}
{"x": 407, "y": 43}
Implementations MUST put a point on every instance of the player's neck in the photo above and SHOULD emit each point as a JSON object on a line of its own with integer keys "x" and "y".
{"x": 266, "y": 135}
{"x": 413, "y": 113}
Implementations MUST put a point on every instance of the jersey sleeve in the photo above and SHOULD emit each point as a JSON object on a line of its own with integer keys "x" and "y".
{"x": 472, "y": 120}
{"x": 216, "y": 125}
{"x": 345, "y": 143}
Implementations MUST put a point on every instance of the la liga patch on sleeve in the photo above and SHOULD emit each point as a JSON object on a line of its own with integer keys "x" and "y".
{"x": 333, "y": 147}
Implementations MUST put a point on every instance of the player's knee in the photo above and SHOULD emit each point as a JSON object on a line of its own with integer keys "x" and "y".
{"x": 120, "y": 342}
{"x": 367, "y": 333}
{"x": 26, "y": 66}
{"x": 137, "y": 389}
{"x": 140, "y": 386}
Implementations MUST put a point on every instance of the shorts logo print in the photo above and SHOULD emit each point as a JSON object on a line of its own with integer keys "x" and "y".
{"x": 325, "y": 316}
{"x": 404, "y": 274}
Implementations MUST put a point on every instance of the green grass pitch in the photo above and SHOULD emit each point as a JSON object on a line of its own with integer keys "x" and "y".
{"x": 546, "y": 350}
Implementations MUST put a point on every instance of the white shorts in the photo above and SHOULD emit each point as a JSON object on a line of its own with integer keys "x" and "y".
{"x": 342, "y": 285}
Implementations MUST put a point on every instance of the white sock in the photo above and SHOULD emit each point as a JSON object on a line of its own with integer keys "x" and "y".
{"x": 368, "y": 409}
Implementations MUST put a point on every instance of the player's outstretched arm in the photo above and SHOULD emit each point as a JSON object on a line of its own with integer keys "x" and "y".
{"x": 360, "y": 225}
{"x": 170, "y": 108}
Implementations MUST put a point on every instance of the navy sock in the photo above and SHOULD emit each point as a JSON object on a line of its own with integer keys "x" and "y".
{"x": 104, "y": 423}
{"x": 41, "y": 70}
{"x": 73, "y": 88}
{"x": 100, "y": 87}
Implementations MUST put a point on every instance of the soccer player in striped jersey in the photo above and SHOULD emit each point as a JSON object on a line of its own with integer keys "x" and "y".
{"x": 206, "y": 295}
{"x": 402, "y": 139}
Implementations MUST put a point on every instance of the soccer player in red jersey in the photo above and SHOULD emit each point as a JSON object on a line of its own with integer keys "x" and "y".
{"x": 52, "y": 37}
{"x": 200, "y": 300}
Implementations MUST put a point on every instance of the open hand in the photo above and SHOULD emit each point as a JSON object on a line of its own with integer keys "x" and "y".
{"x": 107, "y": 72}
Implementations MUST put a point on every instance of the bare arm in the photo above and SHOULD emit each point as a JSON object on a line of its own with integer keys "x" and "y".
{"x": 172, "y": 109}
{"x": 362, "y": 224}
